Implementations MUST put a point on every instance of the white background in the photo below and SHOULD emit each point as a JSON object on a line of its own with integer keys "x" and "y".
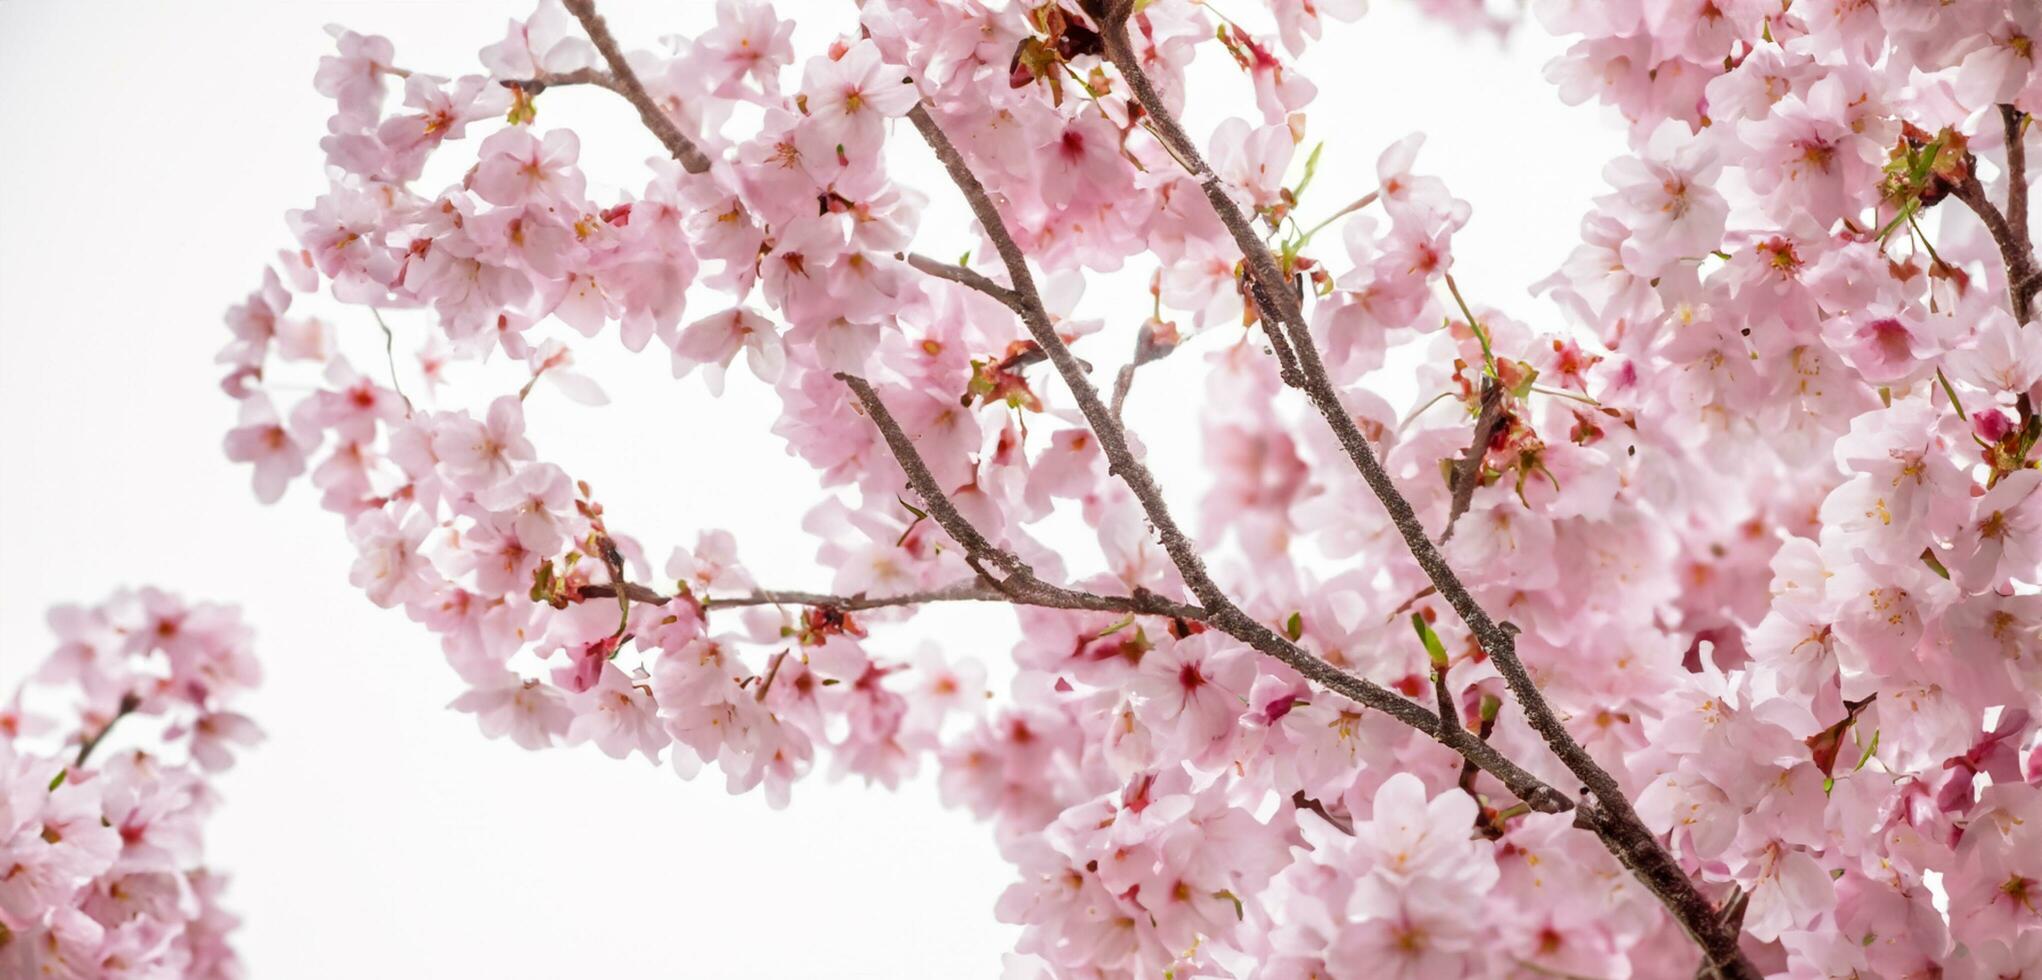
{"x": 147, "y": 154}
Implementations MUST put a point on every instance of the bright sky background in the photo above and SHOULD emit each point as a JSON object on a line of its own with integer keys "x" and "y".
{"x": 150, "y": 152}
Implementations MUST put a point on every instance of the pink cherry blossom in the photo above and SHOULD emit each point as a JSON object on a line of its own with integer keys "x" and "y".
{"x": 1739, "y": 533}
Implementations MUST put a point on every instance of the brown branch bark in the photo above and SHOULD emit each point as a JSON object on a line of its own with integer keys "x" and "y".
{"x": 1221, "y": 612}
{"x": 2009, "y": 229}
{"x": 2016, "y": 123}
{"x": 963, "y": 277}
{"x": 626, "y": 83}
{"x": 580, "y": 76}
{"x": 1467, "y": 472}
{"x": 1019, "y": 583}
{"x": 1612, "y": 817}
{"x": 970, "y": 591}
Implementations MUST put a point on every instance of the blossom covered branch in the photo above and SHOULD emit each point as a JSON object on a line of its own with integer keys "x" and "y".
{"x": 1611, "y": 818}
{"x": 1756, "y": 488}
{"x": 103, "y": 845}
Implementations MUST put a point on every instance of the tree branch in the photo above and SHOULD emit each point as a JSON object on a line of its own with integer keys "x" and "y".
{"x": 968, "y": 591}
{"x": 963, "y": 277}
{"x": 128, "y": 704}
{"x": 1019, "y": 582}
{"x": 626, "y": 83}
{"x": 1612, "y": 818}
{"x": 1221, "y": 612}
{"x": 2016, "y": 123}
{"x": 1467, "y": 471}
{"x": 2016, "y": 250}
{"x": 580, "y": 76}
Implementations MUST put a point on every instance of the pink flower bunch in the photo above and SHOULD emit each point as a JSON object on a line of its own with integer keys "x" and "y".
{"x": 101, "y": 838}
{"x": 1756, "y": 494}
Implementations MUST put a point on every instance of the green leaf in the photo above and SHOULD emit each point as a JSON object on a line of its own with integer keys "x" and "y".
{"x": 1311, "y": 167}
{"x": 1433, "y": 648}
{"x": 1294, "y": 627}
{"x": 62, "y": 774}
{"x": 1869, "y": 749}
{"x": 1928, "y": 557}
{"x": 1115, "y": 628}
{"x": 1239, "y": 911}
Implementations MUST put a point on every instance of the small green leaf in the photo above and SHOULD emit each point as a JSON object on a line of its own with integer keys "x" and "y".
{"x": 1294, "y": 627}
{"x": 1239, "y": 911}
{"x": 1115, "y": 628}
{"x": 62, "y": 774}
{"x": 1433, "y": 648}
{"x": 1869, "y": 749}
{"x": 1928, "y": 557}
{"x": 1311, "y": 167}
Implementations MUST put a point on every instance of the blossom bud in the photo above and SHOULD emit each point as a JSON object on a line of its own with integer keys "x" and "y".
{"x": 1991, "y": 426}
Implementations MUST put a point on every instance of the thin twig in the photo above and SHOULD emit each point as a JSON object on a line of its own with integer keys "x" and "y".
{"x": 128, "y": 704}
{"x": 627, "y": 84}
{"x": 1018, "y": 582}
{"x": 772, "y": 671}
{"x": 1221, "y": 612}
{"x": 580, "y": 76}
{"x": 968, "y": 591}
{"x": 2015, "y": 250}
{"x": 1467, "y": 471}
{"x": 390, "y": 356}
{"x": 1612, "y": 818}
{"x": 963, "y": 277}
{"x": 1449, "y": 717}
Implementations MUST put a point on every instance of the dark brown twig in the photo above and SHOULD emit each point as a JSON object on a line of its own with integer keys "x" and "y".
{"x": 1612, "y": 818}
{"x": 580, "y": 76}
{"x": 2009, "y": 230}
{"x": 2016, "y": 123}
{"x": 626, "y": 83}
{"x": 1467, "y": 471}
{"x": 1017, "y": 581}
{"x": 963, "y": 277}
{"x": 1221, "y": 612}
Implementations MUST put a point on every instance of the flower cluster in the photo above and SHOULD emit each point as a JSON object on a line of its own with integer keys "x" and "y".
{"x": 101, "y": 838}
{"x": 1757, "y": 492}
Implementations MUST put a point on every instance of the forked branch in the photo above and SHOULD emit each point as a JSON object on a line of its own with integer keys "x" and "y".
{"x": 624, "y": 81}
{"x": 1612, "y": 817}
{"x": 1221, "y": 612}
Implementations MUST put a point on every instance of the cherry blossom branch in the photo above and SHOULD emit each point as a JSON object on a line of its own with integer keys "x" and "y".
{"x": 964, "y": 277}
{"x": 128, "y": 704}
{"x": 627, "y": 84}
{"x": 1612, "y": 818}
{"x": 1221, "y": 612}
{"x": 2016, "y": 123}
{"x": 1467, "y": 471}
{"x": 580, "y": 76}
{"x": 970, "y": 591}
{"x": 1496, "y": 639}
{"x": 2009, "y": 230}
{"x": 1020, "y": 583}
